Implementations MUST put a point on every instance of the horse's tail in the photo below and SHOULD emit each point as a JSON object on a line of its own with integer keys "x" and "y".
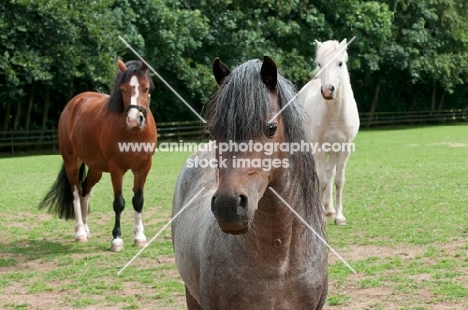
{"x": 59, "y": 199}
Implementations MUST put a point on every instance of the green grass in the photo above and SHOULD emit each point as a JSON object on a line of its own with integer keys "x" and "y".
{"x": 406, "y": 189}
{"x": 38, "y": 251}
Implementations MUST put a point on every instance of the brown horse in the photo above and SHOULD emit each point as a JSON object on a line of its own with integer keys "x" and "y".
{"x": 97, "y": 130}
{"x": 237, "y": 245}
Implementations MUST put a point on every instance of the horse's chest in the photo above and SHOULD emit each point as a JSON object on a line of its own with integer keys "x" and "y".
{"x": 255, "y": 292}
{"x": 333, "y": 132}
{"x": 247, "y": 286}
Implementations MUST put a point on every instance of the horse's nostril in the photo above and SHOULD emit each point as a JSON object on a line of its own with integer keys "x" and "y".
{"x": 141, "y": 119}
{"x": 242, "y": 205}
{"x": 243, "y": 201}
{"x": 332, "y": 88}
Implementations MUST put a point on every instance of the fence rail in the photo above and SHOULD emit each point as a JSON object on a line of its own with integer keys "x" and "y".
{"x": 11, "y": 140}
{"x": 412, "y": 118}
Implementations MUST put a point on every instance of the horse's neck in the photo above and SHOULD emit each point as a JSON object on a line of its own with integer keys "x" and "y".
{"x": 275, "y": 234}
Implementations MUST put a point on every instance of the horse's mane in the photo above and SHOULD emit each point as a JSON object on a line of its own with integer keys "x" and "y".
{"x": 115, "y": 103}
{"x": 239, "y": 110}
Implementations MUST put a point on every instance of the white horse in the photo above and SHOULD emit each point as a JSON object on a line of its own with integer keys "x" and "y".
{"x": 334, "y": 122}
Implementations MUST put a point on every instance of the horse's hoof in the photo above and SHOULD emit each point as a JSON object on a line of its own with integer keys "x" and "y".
{"x": 340, "y": 222}
{"x": 139, "y": 243}
{"x": 81, "y": 238}
{"x": 116, "y": 248}
{"x": 330, "y": 214}
{"x": 117, "y": 245}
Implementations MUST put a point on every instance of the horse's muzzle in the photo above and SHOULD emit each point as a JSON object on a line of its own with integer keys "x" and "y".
{"x": 136, "y": 121}
{"x": 328, "y": 92}
{"x": 231, "y": 213}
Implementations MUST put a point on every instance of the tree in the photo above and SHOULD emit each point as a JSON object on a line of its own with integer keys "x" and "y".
{"x": 51, "y": 50}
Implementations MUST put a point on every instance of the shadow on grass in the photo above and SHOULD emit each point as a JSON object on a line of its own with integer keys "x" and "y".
{"x": 16, "y": 253}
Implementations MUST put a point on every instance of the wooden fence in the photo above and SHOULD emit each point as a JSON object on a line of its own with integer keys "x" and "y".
{"x": 11, "y": 141}
{"x": 391, "y": 119}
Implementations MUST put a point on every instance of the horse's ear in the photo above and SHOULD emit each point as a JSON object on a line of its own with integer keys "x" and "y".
{"x": 318, "y": 43}
{"x": 121, "y": 65}
{"x": 269, "y": 72}
{"x": 220, "y": 70}
{"x": 343, "y": 43}
{"x": 143, "y": 66}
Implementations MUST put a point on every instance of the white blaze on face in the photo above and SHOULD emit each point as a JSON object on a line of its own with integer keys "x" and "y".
{"x": 132, "y": 115}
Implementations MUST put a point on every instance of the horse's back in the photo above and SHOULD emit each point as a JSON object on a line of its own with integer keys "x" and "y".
{"x": 80, "y": 123}
{"x": 82, "y": 105}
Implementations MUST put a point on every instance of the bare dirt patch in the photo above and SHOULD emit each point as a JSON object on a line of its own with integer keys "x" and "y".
{"x": 384, "y": 297}
{"x": 361, "y": 252}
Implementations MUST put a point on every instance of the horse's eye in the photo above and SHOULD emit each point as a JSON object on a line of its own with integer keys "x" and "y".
{"x": 318, "y": 65}
{"x": 340, "y": 63}
{"x": 271, "y": 129}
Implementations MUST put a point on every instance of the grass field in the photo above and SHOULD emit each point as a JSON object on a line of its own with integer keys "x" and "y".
{"x": 406, "y": 203}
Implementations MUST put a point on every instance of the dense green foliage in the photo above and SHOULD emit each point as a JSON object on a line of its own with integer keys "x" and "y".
{"x": 408, "y": 54}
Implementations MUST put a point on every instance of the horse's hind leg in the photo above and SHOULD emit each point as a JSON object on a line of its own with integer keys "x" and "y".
{"x": 139, "y": 237}
{"x": 192, "y": 304}
{"x": 92, "y": 178}
{"x": 72, "y": 168}
{"x": 342, "y": 160}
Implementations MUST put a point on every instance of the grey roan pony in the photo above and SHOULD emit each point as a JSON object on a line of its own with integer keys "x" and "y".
{"x": 237, "y": 246}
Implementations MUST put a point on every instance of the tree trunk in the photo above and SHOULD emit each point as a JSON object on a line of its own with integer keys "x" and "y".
{"x": 46, "y": 108}
{"x": 17, "y": 116}
{"x": 70, "y": 90}
{"x": 29, "y": 109}
{"x": 433, "y": 99}
{"x": 441, "y": 102}
{"x": 374, "y": 103}
{"x": 6, "y": 118}
{"x": 414, "y": 102}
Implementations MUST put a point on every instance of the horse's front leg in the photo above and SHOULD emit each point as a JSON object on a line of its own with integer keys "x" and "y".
{"x": 342, "y": 160}
{"x": 137, "y": 201}
{"x": 326, "y": 172}
{"x": 119, "y": 205}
